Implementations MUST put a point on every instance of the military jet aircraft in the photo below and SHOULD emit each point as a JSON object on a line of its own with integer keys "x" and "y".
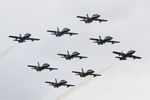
{"x": 40, "y": 68}
{"x": 124, "y": 56}
{"x": 22, "y": 39}
{"x": 94, "y": 17}
{"x": 59, "y": 84}
{"x": 69, "y": 56}
{"x": 59, "y": 33}
{"x": 87, "y": 73}
{"x": 107, "y": 39}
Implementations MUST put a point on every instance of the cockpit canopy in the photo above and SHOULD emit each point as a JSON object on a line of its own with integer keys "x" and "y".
{"x": 131, "y": 51}
{"x": 90, "y": 71}
{"x": 108, "y": 38}
{"x": 45, "y": 65}
{"x": 65, "y": 29}
{"x": 27, "y": 34}
{"x": 63, "y": 81}
{"x": 95, "y": 16}
{"x": 75, "y": 53}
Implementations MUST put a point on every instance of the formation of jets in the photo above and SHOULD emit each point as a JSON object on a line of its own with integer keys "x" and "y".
{"x": 59, "y": 84}
{"x": 107, "y": 39}
{"x": 94, "y": 17}
{"x": 68, "y": 56}
{"x": 64, "y": 31}
{"x": 22, "y": 39}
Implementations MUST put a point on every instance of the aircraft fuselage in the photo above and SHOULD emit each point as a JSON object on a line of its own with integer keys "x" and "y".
{"x": 88, "y": 72}
{"x": 91, "y": 19}
{"x": 26, "y": 36}
{"x": 63, "y": 31}
{"x": 62, "y": 82}
{"x": 74, "y": 54}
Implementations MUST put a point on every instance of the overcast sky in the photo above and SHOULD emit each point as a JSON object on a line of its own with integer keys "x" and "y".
{"x": 128, "y": 22}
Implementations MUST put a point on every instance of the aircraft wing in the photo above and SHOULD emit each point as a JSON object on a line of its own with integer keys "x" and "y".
{"x": 76, "y": 72}
{"x": 114, "y": 42}
{"x": 32, "y": 66}
{"x": 33, "y": 39}
{"x": 71, "y": 33}
{"x": 51, "y": 31}
{"x": 68, "y": 85}
{"x": 101, "y": 20}
{"x": 82, "y": 17}
{"x": 52, "y": 68}
{"x": 118, "y": 53}
{"x": 135, "y": 57}
{"x": 95, "y": 75}
{"x": 80, "y": 57}
{"x": 62, "y": 54}
{"x": 94, "y": 39}
{"x": 16, "y": 37}
{"x": 50, "y": 83}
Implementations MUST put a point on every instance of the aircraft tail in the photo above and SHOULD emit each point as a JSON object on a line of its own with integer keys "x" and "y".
{"x": 38, "y": 64}
{"x": 20, "y": 35}
{"x": 68, "y": 53}
{"x": 56, "y": 80}
{"x": 87, "y": 15}
{"x": 100, "y": 37}
{"x": 82, "y": 70}
{"x": 58, "y": 29}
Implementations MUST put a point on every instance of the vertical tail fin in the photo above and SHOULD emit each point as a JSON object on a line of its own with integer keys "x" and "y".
{"x": 87, "y": 15}
{"x": 19, "y": 35}
{"x": 56, "y": 80}
{"x": 58, "y": 29}
{"x": 82, "y": 70}
{"x": 100, "y": 37}
{"x": 38, "y": 64}
{"x": 68, "y": 52}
